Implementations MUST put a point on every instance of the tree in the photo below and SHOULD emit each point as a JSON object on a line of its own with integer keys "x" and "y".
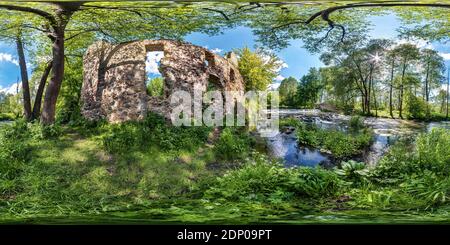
{"x": 113, "y": 22}
{"x": 258, "y": 68}
{"x": 448, "y": 90}
{"x": 391, "y": 58}
{"x": 309, "y": 88}
{"x": 15, "y": 29}
{"x": 155, "y": 86}
{"x": 442, "y": 99}
{"x": 434, "y": 68}
{"x": 288, "y": 91}
{"x": 408, "y": 54}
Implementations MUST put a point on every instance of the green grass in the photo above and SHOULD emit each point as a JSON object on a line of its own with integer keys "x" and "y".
{"x": 7, "y": 116}
{"x": 68, "y": 175}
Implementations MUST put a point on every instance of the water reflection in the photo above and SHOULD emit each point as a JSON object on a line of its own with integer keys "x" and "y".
{"x": 285, "y": 146}
{"x": 386, "y": 133}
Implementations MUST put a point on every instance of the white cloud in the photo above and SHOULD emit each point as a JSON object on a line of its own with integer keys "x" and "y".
{"x": 274, "y": 86}
{"x": 446, "y": 56}
{"x": 152, "y": 62}
{"x": 8, "y": 58}
{"x": 216, "y": 50}
{"x": 279, "y": 78}
{"x": 12, "y": 89}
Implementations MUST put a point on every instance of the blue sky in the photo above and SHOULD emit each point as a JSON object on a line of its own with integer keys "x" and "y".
{"x": 297, "y": 58}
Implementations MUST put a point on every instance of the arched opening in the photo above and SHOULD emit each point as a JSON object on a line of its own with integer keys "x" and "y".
{"x": 154, "y": 80}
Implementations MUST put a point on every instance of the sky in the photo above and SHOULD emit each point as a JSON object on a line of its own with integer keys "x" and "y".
{"x": 297, "y": 60}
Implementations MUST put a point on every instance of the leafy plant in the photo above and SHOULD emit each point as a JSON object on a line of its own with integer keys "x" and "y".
{"x": 261, "y": 180}
{"x": 233, "y": 144}
{"x": 356, "y": 123}
{"x": 352, "y": 171}
{"x": 428, "y": 186}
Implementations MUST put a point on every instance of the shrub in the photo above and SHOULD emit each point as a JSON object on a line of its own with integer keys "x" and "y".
{"x": 14, "y": 154}
{"x": 340, "y": 144}
{"x": 153, "y": 131}
{"x": 356, "y": 123}
{"x": 260, "y": 179}
{"x": 429, "y": 187}
{"x": 353, "y": 171}
{"x": 7, "y": 116}
{"x": 155, "y": 86}
{"x": 416, "y": 107}
{"x": 233, "y": 144}
{"x": 39, "y": 131}
{"x": 431, "y": 151}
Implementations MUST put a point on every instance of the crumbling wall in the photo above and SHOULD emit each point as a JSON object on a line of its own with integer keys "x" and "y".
{"x": 114, "y": 77}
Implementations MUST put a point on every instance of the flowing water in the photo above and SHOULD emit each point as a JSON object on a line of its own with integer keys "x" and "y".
{"x": 386, "y": 131}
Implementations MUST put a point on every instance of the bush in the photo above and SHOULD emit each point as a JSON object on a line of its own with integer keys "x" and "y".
{"x": 416, "y": 107}
{"x": 353, "y": 171}
{"x": 153, "y": 131}
{"x": 233, "y": 144}
{"x": 429, "y": 187}
{"x": 431, "y": 151}
{"x": 340, "y": 144}
{"x": 14, "y": 154}
{"x": 155, "y": 86}
{"x": 356, "y": 123}
{"x": 7, "y": 116}
{"x": 260, "y": 179}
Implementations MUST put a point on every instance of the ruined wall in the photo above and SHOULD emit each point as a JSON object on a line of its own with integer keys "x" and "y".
{"x": 114, "y": 77}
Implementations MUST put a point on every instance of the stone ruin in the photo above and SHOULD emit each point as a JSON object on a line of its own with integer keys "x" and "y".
{"x": 114, "y": 77}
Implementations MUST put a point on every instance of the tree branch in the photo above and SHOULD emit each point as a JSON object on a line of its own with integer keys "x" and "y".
{"x": 39, "y": 12}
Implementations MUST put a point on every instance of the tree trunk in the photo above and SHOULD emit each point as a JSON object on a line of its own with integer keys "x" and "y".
{"x": 448, "y": 85}
{"x": 40, "y": 91}
{"x": 390, "y": 101}
{"x": 391, "y": 88}
{"x": 24, "y": 76}
{"x": 63, "y": 13}
{"x": 427, "y": 97}
{"x": 400, "y": 109}
{"x": 374, "y": 98}
{"x": 54, "y": 86}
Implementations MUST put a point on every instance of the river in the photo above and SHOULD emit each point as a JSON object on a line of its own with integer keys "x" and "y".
{"x": 386, "y": 131}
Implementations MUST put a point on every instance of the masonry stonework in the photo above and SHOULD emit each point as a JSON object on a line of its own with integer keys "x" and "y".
{"x": 114, "y": 77}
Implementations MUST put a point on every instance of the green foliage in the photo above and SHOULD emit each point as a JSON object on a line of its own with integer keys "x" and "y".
{"x": 416, "y": 107}
{"x": 433, "y": 151}
{"x": 338, "y": 143}
{"x": 233, "y": 144}
{"x": 68, "y": 106}
{"x": 6, "y": 117}
{"x": 430, "y": 152}
{"x": 14, "y": 154}
{"x": 428, "y": 186}
{"x": 261, "y": 180}
{"x": 155, "y": 87}
{"x": 154, "y": 131}
{"x": 356, "y": 123}
{"x": 352, "y": 171}
{"x": 258, "y": 68}
{"x": 287, "y": 91}
{"x": 309, "y": 88}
